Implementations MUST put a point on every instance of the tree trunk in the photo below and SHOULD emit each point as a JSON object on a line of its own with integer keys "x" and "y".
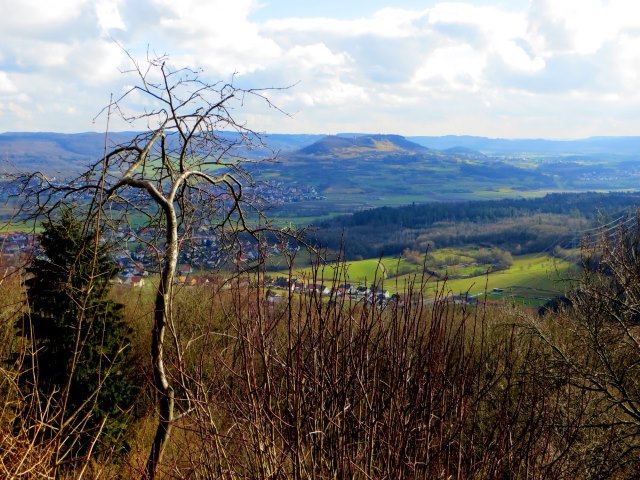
{"x": 160, "y": 319}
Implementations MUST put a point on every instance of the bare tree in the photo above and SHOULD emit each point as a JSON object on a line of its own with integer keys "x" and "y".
{"x": 186, "y": 172}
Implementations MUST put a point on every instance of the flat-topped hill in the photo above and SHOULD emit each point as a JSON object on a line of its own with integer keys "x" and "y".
{"x": 362, "y": 145}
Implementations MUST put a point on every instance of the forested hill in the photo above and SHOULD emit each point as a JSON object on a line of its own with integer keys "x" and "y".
{"x": 518, "y": 225}
{"x": 587, "y": 204}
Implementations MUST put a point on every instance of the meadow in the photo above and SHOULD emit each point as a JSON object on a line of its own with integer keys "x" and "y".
{"x": 358, "y": 271}
{"x": 535, "y": 272}
{"x": 532, "y": 279}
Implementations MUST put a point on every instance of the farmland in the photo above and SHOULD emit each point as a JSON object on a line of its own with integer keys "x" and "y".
{"x": 359, "y": 271}
{"x": 532, "y": 279}
{"x": 536, "y": 272}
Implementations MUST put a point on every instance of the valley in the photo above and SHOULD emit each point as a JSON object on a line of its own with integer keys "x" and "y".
{"x": 404, "y": 204}
{"x": 530, "y": 280}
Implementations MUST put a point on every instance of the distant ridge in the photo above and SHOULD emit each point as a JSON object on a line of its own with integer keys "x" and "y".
{"x": 624, "y": 146}
{"x": 57, "y": 153}
{"x": 71, "y": 153}
{"x": 54, "y": 153}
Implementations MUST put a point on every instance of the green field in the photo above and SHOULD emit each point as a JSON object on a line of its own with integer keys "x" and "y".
{"x": 532, "y": 279}
{"x": 536, "y": 272}
{"x": 360, "y": 271}
{"x": 9, "y": 224}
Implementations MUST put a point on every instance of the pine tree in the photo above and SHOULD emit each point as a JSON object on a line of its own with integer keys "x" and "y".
{"x": 80, "y": 340}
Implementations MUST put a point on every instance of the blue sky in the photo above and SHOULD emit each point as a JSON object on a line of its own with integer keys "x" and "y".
{"x": 353, "y": 9}
{"x": 502, "y": 68}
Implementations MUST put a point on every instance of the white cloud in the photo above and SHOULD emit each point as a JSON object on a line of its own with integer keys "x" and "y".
{"x": 6, "y": 85}
{"x": 457, "y": 67}
{"x": 570, "y": 26}
{"x": 445, "y": 67}
{"x": 108, "y": 12}
{"x": 38, "y": 53}
{"x": 518, "y": 58}
{"x": 628, "y": 52}
{"x": 35, "y": 16}
{"x": 317, "y": 54}
{"x": 581, "y": 26}
{"x": 216, "y": 34}
{"x": 386, "y": 23}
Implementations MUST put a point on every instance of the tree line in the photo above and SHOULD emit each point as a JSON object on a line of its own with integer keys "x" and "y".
{"x": 517, "y": 225}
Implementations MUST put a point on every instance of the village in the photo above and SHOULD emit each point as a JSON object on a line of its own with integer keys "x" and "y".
{"x": 137, "y": 253}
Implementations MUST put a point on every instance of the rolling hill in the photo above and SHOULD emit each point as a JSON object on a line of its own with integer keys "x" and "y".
{"x": 355, "y": 171}
{"x": 68, "y": 154}
{"x": 371, "y": 170}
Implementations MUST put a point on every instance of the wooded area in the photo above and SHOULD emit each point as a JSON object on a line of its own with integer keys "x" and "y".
{"x": 520, "y": 226}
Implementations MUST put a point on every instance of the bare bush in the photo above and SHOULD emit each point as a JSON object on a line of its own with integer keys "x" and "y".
{"x": 595, "y": 351}
{"x": 322, "y": 387}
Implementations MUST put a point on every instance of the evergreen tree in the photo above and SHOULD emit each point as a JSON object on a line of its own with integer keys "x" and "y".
{"x": 80, "y": 340}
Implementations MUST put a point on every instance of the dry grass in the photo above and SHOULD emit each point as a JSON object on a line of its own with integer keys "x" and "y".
{"x": 316, "y": 387}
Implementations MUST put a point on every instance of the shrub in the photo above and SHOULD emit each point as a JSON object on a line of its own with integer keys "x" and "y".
{"x": 78, "y": 379}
